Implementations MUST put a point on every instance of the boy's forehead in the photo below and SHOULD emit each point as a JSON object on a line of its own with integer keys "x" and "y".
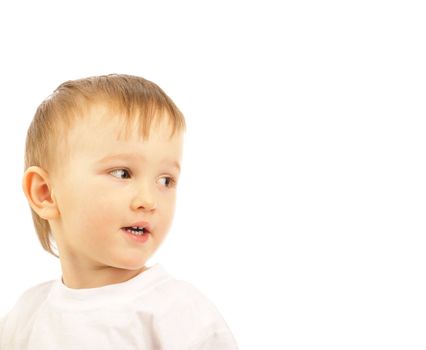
{"x": 105, "y": 123}
{"x": 101, "y": 133}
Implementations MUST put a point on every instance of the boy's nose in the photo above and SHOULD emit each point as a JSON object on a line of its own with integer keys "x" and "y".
{"x": 143, "y": 200}
{"x": 143, "y": 203}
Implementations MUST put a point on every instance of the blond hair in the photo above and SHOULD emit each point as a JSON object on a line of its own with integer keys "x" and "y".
{"x": 132, "y": 97}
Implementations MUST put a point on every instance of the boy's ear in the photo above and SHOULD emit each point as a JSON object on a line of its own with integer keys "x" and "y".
{"x": 37, "y": 189}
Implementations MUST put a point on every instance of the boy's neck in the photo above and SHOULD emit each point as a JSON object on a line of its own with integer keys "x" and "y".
{"x": 79, "y": 277}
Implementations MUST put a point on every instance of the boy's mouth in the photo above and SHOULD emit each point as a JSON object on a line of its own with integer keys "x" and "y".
{"x": 137, "y": 234}
{"x": 138, "y": 228}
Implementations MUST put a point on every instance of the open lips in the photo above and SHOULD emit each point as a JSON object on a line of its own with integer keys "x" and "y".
{"x": 138, "y": 228}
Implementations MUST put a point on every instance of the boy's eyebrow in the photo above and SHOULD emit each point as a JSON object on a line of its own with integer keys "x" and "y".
{"x": 132, "y": 156}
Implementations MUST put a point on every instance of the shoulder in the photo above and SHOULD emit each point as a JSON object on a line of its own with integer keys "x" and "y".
{"x": 186, "y": 299}
{"x": 189, "y": 312}
{"x": 36, "y": 294}
{"x": 29, "y": 301}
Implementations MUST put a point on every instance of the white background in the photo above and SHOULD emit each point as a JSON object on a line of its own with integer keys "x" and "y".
{"x": 301, "y": 205}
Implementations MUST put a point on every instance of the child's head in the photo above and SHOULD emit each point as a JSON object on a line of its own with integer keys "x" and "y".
{"x": 102, "y": 154}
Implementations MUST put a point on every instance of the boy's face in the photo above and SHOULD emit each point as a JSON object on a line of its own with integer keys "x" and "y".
{"x": 98, "y": 197}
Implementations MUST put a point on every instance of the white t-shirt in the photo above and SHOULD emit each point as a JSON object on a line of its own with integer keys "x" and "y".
{"x": 152, "y": 311}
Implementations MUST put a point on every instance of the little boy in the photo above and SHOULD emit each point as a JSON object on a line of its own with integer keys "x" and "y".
{"x": 102, "y": 163}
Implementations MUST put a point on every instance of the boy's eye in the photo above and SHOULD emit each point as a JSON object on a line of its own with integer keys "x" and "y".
{"x": 125, "y": 174}
{"x": 171, "y": 181}
{"x": 121, "y": 171}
